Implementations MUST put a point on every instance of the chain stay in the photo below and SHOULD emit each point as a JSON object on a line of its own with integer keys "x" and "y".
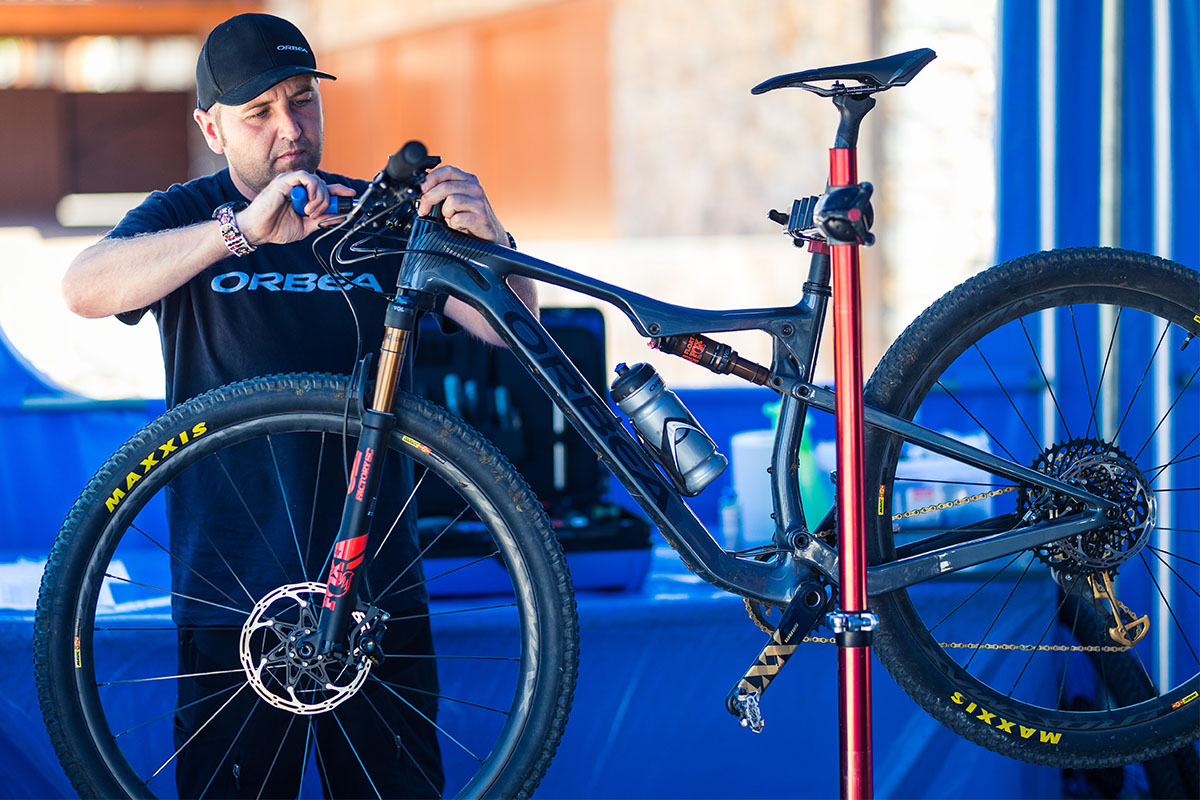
{"x": 761, "y": 621}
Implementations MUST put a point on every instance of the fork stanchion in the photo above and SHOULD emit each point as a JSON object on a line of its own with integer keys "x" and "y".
{"x": 850, "y": 621}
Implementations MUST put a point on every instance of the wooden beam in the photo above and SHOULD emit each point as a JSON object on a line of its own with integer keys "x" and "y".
{"x": 67, "y": 18}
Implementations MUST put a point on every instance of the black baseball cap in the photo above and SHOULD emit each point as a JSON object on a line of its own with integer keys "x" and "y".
{"x": 248, "y": 54}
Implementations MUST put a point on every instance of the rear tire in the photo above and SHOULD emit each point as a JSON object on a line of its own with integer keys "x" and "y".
{"x": 1052, "y": 360}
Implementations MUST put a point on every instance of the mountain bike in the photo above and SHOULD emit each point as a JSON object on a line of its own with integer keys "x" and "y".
{"x": 1029, "y": 502}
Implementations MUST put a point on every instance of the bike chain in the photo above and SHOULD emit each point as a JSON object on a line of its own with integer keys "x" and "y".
{"x": 758, "y": 611}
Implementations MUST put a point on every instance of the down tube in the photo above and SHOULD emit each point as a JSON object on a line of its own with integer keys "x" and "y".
{"x": 772, "y": 581}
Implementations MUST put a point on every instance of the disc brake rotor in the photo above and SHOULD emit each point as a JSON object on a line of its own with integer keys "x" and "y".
{"x": 281, "y": 663}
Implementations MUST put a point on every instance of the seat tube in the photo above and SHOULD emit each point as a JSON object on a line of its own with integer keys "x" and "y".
{"x": 854, "y": 652}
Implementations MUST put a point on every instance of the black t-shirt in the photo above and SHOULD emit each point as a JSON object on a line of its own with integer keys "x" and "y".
{"x": 242, "y": 518}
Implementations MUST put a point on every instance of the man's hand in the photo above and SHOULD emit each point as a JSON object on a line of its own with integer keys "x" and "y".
{"x": 465, "y": 206}
{"x": 271, "y": 219}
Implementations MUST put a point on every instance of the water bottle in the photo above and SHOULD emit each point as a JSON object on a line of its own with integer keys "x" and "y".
{"x": 667, "y": 428}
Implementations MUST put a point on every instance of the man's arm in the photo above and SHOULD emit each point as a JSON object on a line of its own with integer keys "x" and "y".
{"x": 465, "y": 208}
{"x": 116, "y": 275}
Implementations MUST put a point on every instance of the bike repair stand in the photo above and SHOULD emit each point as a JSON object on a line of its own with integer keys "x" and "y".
{"x": 843, "y": 215}
{"x": 847, "y": 219}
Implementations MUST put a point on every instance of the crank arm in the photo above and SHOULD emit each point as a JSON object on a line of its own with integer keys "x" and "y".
{"x": 798, "y": 620}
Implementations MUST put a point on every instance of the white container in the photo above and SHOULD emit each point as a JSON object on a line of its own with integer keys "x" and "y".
{"x": 751, "y": 456}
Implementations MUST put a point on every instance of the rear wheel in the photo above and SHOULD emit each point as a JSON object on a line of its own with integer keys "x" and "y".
{"x": 160, "y": 672}
{"x": 1080, "y": 364}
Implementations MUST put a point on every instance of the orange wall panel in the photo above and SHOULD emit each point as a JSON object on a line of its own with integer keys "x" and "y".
{"x": 519, "y": 99}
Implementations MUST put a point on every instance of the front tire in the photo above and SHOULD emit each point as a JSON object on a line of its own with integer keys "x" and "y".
{"x": 111, "y": 614}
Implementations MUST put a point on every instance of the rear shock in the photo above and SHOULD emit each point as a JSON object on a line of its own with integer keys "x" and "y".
{"x": 713, "y": 355}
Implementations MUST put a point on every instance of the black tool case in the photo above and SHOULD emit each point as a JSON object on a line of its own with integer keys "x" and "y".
{"x": 607, "y": 546}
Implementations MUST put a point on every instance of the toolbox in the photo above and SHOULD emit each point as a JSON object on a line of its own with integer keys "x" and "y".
{"x": 607, "y": 546}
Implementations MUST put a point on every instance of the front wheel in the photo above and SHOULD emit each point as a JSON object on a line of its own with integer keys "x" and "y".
{"x": 1081, "y": 364}
{"x": 171, "y": 622}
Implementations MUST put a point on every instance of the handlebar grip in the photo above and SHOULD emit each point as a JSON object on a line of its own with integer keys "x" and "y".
{"x": 409, "y": 163}
{"x": 337, "y": 203}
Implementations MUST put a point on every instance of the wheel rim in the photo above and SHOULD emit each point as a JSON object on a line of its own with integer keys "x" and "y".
{"x": 129, "y": 599}
{"x": 1121, "y": 378}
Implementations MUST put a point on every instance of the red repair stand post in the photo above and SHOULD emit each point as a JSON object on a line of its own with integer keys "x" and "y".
{"x": 854, "y": 661}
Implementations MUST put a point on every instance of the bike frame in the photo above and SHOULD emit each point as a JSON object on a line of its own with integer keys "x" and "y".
{"x": 442, "y": 261}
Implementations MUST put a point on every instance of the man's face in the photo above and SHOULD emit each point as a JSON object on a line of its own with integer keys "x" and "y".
{"x": 279, "y": 131}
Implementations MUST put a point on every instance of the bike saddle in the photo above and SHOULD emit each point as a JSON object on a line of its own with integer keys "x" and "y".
{"x": 873, "y": 76}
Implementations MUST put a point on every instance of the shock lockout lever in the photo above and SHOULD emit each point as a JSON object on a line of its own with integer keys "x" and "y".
{"x": 797, "y": 621}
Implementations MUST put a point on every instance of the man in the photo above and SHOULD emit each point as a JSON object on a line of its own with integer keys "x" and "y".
{"x": 228, "y": 270}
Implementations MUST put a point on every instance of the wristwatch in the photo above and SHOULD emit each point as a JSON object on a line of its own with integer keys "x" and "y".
{"x": 235, "y": 240}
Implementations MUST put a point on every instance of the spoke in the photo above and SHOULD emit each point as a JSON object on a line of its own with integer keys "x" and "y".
{"x": 390, "y": 620}
{"x": 978, "y": 589}
{"x": 357, "y": 757}
{"x": 175, "y": 628}
{"x": 446, "y": 697}
{"x": 1037, "y": 446}
{"x": 1153, "y": 473}
{"x": 1087, "y": 384}
{"x": 437, "y": 727}
{"x": 407, "y": 501}
{"x": 954, "y": 483}
{"x": 173, "y": 711}
{"x": 253, "y": 520}
{"x": 1016, "y": 585}
{"x": 1174, "y": 555}
{"x": 1167, "y": 564}
{"x": 976, "y": 420}
{"x": 1062, "y": 681}
{"x": 443, "y": 574}
{"x": 278, "y": 750}
{"x": 399, "y": 516}
{"x": 1045, "y": 378}
{"x": 159, "y": 589}
{"x": 400, "y": 746}
{"x": 387, "y": 590}
{"x": 229, "y": 749}
{"x": 1182, "y": 633}
{"x": 287, "y": 506}
{"x": 1167, "y": 413}
{"x": 456, "y": 658}
{"x": 1037, "y": 647}
{"x": 211, "y": 543}
{"x": 312, "y": 518}
{"x": 1137, "y": 391}
{"x": 1104, "y": 369}
{"x": 187, "y": 566}
{"x": 197, "y": 733}
{"x": 171, "y": 677}
{"x": 309, "y": 739}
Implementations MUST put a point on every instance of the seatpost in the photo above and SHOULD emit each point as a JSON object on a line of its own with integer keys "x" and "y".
{"x": 851, "y": 622}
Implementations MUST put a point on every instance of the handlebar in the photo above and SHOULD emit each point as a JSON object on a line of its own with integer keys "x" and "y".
{"x": 402, "y": 176}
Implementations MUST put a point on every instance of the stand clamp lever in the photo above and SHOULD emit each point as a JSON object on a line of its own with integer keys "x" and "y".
{"x": 852, "y": 628}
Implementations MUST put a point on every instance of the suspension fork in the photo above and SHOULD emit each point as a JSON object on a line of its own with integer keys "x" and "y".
{"x": 349, "y": 549}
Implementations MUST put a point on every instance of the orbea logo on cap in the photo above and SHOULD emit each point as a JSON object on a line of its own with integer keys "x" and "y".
{"x": 239, "y": 62}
